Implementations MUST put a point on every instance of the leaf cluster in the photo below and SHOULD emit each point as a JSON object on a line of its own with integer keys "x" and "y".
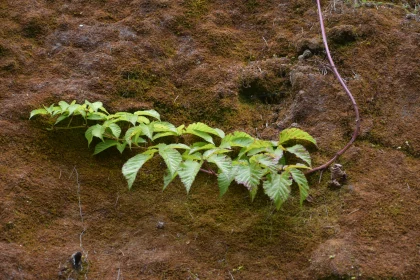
{"x": 236, "y": 156}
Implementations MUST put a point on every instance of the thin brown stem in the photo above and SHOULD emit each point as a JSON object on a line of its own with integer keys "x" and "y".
{"x": 343, "y": 84}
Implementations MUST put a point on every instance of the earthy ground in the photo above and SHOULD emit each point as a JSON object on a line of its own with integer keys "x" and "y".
{"x": 234, "y": 65}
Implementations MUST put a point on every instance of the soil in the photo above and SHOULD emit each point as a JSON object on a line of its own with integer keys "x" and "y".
{"x": 233, "y": 65}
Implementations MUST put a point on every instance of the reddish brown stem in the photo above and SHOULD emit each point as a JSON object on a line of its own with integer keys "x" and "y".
{"x": 343, "y": 84}
{"x": 211, "y": 172}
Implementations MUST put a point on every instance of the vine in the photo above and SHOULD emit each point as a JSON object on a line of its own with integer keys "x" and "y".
{"x": 236, "y": 156}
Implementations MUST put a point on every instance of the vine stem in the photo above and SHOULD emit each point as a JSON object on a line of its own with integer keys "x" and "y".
{"x": 343, "y": 84}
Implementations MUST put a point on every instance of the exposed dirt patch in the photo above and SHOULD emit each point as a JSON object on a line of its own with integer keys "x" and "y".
{"x": 232, "y": 64}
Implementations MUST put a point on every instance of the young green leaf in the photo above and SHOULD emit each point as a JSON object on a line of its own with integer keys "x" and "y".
{"x": 249, "y": 174}
{"x": 147, "y": 129}
{"x": 277, "y": 187}
{"x": 116, "y": 129}
{"x": 300, "y": 152}
{"x": 98, "y": 131}
{"x": 204, "y": 128}
{"x": 223, "y": 162}
{"x": 237, "y": 139}
{"x": 188, "y": 171}
{"x": 61, "y": 118}
{"x": 63, "y": 105}
{"x": 168, "y": 177}
{"x": 121, "y": 146}
{"x": 300, "y": 179}
{"x": 295, "y": 134}
{"x": 171, "y": 157}
{"x": 132, "y": 166}
{"x": 150, "y": 113}
{"x": 102, "y": 146}
{"x": 41, "y": 111}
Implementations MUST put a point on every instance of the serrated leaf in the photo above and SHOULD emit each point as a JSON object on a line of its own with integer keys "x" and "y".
{"x": 194, "y": 156}
{"x": 163, "y": 134}
{"x": 295, "y": 134}
{"x": 224, "y": 179}
{"x": 96, "y": 116}
{"x": 132, "y": 166}
{"x": 164, "y": 127}
{"x": 61, "y": 118}
{"x": 116, "y": 129}
{"x": 199, "y": 146}
{"x": 49, "y": 109}
{"x": 253, "y": 192}
{"x": 150, "y": 113}
{"x": 72, "y": 108}
{"x": 130, "y": 133}
{"x": 215, "y": 151}
{"x": 265, "y": 161}
{"x": 187, "y": 171}
{"x": 147, "y": 130}
{"x": 63, "y": 105}
{"x": 89, "y": 135}
{"x": 277, "y": 187}
{"x": 237, "y": 139}
{"x": 171, "y": 157}
{"x": 178, "y": 146}
{"x": 203, "y": 128}
{"x": 168, "y": 177}
{"x": 201, "y": 134}
{"x": 121, "y": 146}
{"x": 141, "y": 119}
{"x": 249, "y": 174}
{"x": 223, "y": 162}
{"x": 98, "y": 131}
{"x": 300, "y": 179}
{"x": 41, "y": 111}
{"x": 300, "y": 152}
{"x": 277, "y": 154}
{"x": 102, "y": 146}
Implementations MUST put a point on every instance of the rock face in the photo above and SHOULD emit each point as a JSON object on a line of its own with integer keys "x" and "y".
{"x": 233, "y": 65}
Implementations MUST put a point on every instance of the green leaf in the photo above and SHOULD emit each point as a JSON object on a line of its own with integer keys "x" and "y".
{"x": 224, "y": 180}
{"x": 49, "y": 109}
{"x": 295, "y": 134}
{"x": 178, "y": 146}
{"x": 116, "y": 130}
{"x": 96, "y": 116}
{"x": 300, "y": 152}
{"x": 204, "y": 128}
{"x": 201, "y": 134}
{"x": 72, "y": 108}
{"x": 199, "y": 146}
{"x": 132, "y": 166}
{"x": 249, "y": 174}
{"x": 237, "y": 139}
{"x": 168, "y": 177}
{"x": 96, "y": 106}
{"x": 63, "y": 105}
{"x": 132, "y": 131}
{"x": 121, "y": 146}
{"x": 194, "y": 156}
{"x": 124, "y": 116}
{"x": 215, "y": 151}
{"x": 164, "y": 127}
{"x": 277, "y": 187}
{"x": 98, "y": 131}
{"x": 147, "y": 129}
{"x": 163, "y": 134}
{"x": 102, "y": 146}
{"x": 61, "y": 118}
{"x": 188, "y": 171}
{"x": 171, "y": 157}
{"x": 223, "y": 162}
{"x": 141, "y": 119}
{"x": 89, "y": 135}
{"x": 265, "y": 161}
{"x": 38, "y": 112}
{"x": 150, "y": 113}
{"x": 300, "y": 179}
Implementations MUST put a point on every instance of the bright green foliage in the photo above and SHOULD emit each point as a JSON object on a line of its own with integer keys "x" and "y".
{"x": 237, "y": 156}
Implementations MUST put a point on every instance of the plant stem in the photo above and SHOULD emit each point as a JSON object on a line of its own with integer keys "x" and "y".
{"x": 343, "y": 84}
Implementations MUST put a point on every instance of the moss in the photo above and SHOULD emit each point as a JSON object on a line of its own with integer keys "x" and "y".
{"x": 136, "y": 82}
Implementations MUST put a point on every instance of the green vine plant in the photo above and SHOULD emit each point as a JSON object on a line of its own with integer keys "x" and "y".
{"x": 236, "y": 156}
